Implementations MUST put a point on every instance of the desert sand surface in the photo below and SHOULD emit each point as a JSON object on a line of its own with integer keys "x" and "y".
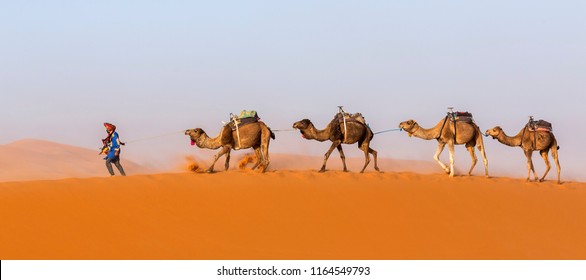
{"x": 284, "y": 214}
{"x": 33, "y": 159}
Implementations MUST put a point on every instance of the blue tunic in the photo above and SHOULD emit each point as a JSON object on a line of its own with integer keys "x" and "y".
{"x": 114, "y": 145}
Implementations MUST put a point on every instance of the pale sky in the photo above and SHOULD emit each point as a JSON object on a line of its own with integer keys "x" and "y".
{"x": 155, "y": 67}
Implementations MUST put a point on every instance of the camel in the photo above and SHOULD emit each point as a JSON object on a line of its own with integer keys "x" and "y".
{"x": 465, "y": 134}
{"x": 530, "y": 141}
{"x": 357, "y": 133}
{"x": 254, "y": 135}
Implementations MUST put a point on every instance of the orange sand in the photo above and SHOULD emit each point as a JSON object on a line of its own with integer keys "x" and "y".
{"x": 292, "y": 215}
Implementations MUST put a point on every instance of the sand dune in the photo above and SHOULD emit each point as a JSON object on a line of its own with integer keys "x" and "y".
{"x": 292, "y": 215}
{"x": 37, "y": 159}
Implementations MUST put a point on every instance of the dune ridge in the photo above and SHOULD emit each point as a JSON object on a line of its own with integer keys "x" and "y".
{"x": 32, "y": 159}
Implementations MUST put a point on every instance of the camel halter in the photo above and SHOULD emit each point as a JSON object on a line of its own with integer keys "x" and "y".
{"x": 496, "y": 136}
{"x": 410, "y": 127}
{"x": 199, "y": 140}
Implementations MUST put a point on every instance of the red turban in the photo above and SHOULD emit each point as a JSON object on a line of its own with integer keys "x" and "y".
{"x": 110, "y": 126}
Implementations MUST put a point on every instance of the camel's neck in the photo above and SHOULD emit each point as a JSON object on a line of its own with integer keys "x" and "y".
{"x": 205, "y": 142}
{"x": 431, "y": 133}
{"x": 511, "y": 141}
{"x": 313, "y": 133}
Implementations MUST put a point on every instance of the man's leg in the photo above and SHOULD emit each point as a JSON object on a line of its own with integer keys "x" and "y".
{"x": 119, "y": 166}
{"x": 109, "y": 166}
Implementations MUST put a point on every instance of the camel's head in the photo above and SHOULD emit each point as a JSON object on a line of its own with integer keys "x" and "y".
{"x": 409, "y": 126}
{"x": 302, "y": 124}
{"x": 494, "y": 132}
{"x": 194, "y": 134}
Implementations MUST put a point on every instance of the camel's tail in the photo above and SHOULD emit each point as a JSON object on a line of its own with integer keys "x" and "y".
{"x": 267, "y": 127}
{"x": 555, "y": 142}
{"x": 370, "y": 133}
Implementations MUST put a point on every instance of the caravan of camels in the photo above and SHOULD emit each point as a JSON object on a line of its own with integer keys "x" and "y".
{"x": 246, "y": 131}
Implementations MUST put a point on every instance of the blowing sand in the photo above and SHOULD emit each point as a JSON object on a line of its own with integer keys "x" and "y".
{"x": 292, "y": 215}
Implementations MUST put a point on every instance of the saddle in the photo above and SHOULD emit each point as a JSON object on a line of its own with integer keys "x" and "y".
{"x": 245, "y": 117}
{"x": 237, "y": 122}
{"x": 456, "y": 117}
{"x": 343, "y": 118}
{"x": 357, "y": 117}
{"x": 461, "y": 117}
{"x": 539, "y": 125}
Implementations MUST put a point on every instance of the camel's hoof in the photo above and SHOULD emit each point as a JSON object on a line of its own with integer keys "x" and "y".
{"x": 345, "y": 170}
{"x": 322, "y": 170}
{"x": 377, "y": 169}
{"x": 541, "y": 180}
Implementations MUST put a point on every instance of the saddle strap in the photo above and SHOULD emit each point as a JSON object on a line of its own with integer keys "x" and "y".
{"x": 442, "y": 128}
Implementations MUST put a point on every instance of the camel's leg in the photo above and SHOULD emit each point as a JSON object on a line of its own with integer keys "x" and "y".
{"x": 438, "y": 152}
{"x": 264, "y": 149}
{"x": 528, "y": 155}
{"x": 258, "y": 158}
{"x": 342, "y": 156}
{"x": 545, "y": 156}
{"x": 224, "y": 150}
{"x": 480, "y": 145}
{"x": 554, "y": 154}
{"x": 474, "y": 159}
{"x": 366, "y": 149}
{"x": 374, "y": 155}
{"x": 327, "y": 155}
{"x": 451, "y": 150}
{"x": 227, "y": 163}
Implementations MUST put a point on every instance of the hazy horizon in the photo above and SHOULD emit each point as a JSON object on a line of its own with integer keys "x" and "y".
{"x": 154, "y": 68}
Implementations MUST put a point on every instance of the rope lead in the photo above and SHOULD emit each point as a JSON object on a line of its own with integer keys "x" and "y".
{"x": 389, "y": 130}
{"x": 153, "y": 137}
